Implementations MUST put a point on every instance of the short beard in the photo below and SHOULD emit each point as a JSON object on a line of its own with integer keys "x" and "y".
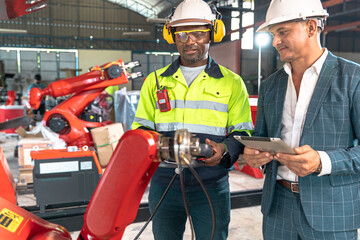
{"x": 192, "y": 60}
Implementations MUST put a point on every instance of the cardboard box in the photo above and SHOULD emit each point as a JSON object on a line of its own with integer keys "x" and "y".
{"x": 24, "y": 134}
{"x": 106, "y": 139}
{"x": 70, "y": 72}
{"x": 26, "y": 145}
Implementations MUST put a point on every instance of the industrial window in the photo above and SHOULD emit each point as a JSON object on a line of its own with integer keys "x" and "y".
{"x": 246, "y": 21}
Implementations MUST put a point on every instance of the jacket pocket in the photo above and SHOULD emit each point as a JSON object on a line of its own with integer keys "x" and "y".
{"x": 215, "y": 105}
{"x": 217, "y": 93}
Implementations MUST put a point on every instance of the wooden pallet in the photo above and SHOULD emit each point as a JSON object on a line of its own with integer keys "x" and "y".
{"x": 25, "y": 176}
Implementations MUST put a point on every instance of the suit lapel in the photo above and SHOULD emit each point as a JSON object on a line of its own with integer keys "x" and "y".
{"x": 279, "y": 99}
{"x": 322, "y": 86}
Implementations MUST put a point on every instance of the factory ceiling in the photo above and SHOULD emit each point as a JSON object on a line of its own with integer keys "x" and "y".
{"x": 80, "y": 20}
{"x": 344, "y": 11}
{"x": 148, "y": 8}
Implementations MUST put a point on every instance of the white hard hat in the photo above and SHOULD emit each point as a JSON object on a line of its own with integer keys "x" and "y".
{"x": 192, "y": 12}
{"x": 281, "y": 11}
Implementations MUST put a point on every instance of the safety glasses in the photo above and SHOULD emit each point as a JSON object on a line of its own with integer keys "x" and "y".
{"x": 195, "y": 35}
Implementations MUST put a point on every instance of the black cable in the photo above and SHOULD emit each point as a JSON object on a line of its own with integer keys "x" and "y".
{"x": 156, "y": 208}
{"x": 184, "y": 199}
{"x": 196, "y": 175}
{"x": 156, "y": 78}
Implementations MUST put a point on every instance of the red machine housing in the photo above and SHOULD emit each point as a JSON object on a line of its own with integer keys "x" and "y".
{"x": 64, "y": 153}
{"x": 114, "y": 204}
{"x": 119, "y": 192}
{"x": 11, "y": 98}
{"x": 253, "y": 107}
{"x": 8, "y": 185}
{"x": 85, "y": 88}
{"x": 17, "y": 223}
{"x": 9, "y": 112}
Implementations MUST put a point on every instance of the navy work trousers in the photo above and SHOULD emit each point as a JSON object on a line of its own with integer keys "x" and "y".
{"x": 169, "y": 221}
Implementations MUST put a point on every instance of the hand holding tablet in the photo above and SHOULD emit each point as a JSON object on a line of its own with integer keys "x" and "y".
{"x": 265, "y": 144}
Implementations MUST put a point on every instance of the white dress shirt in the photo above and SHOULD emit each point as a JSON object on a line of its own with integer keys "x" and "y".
{"x": 294, "y": 114}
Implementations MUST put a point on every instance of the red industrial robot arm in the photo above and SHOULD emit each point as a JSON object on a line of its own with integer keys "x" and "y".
{"x": 116, "y": 200}
{"x": 64, "y": 118}
{"x": 110, "y": 74}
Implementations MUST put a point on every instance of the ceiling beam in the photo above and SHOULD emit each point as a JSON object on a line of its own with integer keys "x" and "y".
{"x": 331, "y": 3}
{"x": 342, "y": 27}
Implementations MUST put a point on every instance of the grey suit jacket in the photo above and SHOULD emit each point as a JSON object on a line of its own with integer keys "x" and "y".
{"x": 331, "y": 202}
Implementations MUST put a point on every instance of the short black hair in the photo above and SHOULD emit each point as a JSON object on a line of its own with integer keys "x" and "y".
{"x": 38, "y": 77}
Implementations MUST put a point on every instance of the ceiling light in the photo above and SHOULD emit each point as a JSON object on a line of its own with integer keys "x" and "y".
{"x": 144, "y": 33}
{"x": 157, "y": 20}
{"x": 5, "y": 30}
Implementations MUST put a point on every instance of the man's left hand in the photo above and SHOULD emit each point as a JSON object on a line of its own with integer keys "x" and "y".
{"x": 218, "y": 149}
{"x": 304, "y": 163}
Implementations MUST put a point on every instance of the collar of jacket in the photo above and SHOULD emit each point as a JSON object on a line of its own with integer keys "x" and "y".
{"x": 212, "y": 68}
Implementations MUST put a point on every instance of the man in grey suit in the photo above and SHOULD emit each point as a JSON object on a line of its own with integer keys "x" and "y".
{"x": 313, "y": 105}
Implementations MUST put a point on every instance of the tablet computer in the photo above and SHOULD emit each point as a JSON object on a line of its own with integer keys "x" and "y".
{"x": 265, "y": 144}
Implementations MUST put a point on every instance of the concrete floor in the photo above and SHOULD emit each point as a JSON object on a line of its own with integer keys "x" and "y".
{"x": 245, "y": 224}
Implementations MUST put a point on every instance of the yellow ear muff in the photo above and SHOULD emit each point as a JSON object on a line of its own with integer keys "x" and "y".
{"x": 218, "y": 30}
{"x": 167, "y": 34}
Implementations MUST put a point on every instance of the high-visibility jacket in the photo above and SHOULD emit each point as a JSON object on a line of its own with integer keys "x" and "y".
{"x": 215, "y": 106}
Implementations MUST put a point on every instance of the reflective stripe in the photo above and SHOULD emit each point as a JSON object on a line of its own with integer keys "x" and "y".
{"x": 178, "y": 104}
{"x": 193, "y": 128}
{"x": 241, "y": 126}
{"x": 145, "y": 122}
{"x": 173, "y": 126}
{"x": 197, "y": 128}
{"x": 173, "y": 104}
{"x": 220, "y": 107}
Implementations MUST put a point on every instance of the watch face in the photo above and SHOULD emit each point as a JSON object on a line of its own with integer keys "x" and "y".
{"x": 319, "y": 168}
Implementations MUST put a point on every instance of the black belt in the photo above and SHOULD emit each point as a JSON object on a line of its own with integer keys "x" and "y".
{"x": 292, "y": 186}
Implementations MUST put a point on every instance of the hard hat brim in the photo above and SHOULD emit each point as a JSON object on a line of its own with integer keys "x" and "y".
{"x": 189, "y": 22}
{"x": 265, "y": 26}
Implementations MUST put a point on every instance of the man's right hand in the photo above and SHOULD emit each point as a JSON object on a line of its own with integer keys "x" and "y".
{"x": 254, "y": 158}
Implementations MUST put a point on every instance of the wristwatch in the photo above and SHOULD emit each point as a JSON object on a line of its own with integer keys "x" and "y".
{"x": 226, "y": 151}
{"x": 319, "y": 168}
